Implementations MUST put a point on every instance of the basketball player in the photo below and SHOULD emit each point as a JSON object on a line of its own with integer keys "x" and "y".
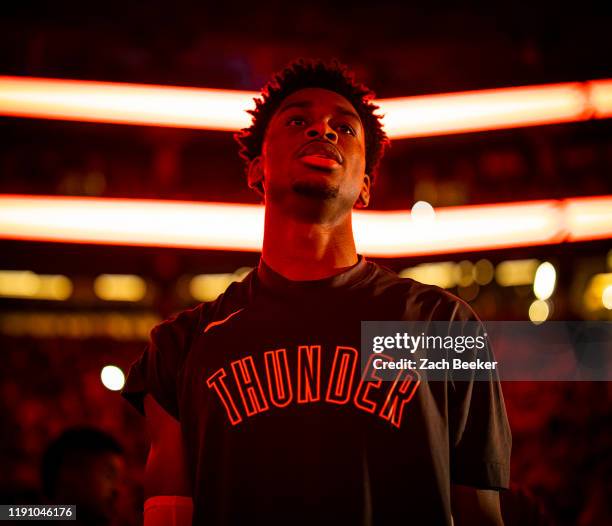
{"x": 255, "y": 403}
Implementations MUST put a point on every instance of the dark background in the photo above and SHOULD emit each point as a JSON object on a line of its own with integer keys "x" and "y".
{"x": 561, "y": 431}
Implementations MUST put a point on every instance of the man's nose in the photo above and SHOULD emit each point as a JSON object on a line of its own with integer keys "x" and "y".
{"x": 322, "y": 129}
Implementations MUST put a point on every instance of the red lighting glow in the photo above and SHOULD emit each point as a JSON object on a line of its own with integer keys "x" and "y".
{"x": 78, "y": 100}
{"x": 225, "y": 109}
{"x": 239, "y": 227}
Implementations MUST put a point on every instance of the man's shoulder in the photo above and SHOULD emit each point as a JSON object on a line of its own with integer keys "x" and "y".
{"x": 421, "y": 300}
{"x": 197, "y": 316}
{"x": 177, "y": 326}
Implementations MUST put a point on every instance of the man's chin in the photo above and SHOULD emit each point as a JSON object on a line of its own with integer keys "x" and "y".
{"x": 315, "y": 189}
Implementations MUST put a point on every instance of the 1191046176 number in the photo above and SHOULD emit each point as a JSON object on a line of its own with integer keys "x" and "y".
{"x": 38, "y": 512}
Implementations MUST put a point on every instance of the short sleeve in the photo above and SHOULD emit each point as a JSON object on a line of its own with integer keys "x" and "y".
{"x": 480, "y": 437}
{"x": 156, "y": 370}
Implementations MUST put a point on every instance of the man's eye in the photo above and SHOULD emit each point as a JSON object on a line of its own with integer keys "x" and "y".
{"x": 345, "y": 128}
{"x": 296, "y": 121}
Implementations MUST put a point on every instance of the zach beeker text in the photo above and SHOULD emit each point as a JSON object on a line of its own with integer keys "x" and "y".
{"x": 439, "y": 364}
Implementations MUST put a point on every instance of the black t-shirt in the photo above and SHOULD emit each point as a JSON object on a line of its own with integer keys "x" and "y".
{"x": 278, "y": 426}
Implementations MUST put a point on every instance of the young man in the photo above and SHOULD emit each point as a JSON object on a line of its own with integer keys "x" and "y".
{"x": 255, "y": 402}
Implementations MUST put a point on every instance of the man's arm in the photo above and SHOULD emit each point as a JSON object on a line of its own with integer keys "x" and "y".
{"x": 166, "y": 486}
{"x": 475, "y": 506}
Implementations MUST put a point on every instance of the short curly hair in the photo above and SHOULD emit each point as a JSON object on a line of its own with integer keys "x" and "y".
{"x": 307, "y": 73}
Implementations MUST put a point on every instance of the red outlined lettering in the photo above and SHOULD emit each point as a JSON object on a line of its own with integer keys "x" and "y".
{"x": 249, "y": 386}
{"x": 342, "y": 374}
{"x": 339, "y": 387}
{"x": 309, "y": 374}
{"x": 279, "y": 379}
{"x": 400, "y": 393}
{"x": 217, "y": 383}
{"x": 369, "y": 380}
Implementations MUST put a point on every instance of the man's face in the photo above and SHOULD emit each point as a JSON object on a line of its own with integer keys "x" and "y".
{"x": 95, "y": 485}
{"x": 313, "y": 156}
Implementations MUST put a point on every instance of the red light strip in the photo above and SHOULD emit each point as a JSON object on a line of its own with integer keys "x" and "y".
{"x": 485, "y": 110}
{"x": 120, "y": 103}
{"x": 239, "y": 227}
{"x": 225, "y": 109}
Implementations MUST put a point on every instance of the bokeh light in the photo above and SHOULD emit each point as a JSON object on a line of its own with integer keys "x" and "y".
{"x": 516, "y": 272}
{"x": 539, "y": 311}
{"x": 112, "y": 377}
{"x": 422, "y": 212}
{"x": 544, "y": 281}
{"x": 606, "y": 297}
{"x": 483, "y": 272}
{"x": 120, "y": 287}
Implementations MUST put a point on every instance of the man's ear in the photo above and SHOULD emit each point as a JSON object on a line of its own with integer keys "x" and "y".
{"x": 364, "y": 195}
{"x": 255, "y": 177}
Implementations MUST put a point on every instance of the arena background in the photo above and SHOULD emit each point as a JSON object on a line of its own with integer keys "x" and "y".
{"x": 58, "y": 334}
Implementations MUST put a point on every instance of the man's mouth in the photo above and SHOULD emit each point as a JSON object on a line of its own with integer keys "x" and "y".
{"x": 321, "y": 155}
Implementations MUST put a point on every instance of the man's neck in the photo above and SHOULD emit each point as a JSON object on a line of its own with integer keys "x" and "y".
{"x": 305, "y": 251}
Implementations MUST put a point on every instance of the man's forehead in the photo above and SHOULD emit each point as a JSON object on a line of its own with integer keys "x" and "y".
{"x": 308, "y": 97}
